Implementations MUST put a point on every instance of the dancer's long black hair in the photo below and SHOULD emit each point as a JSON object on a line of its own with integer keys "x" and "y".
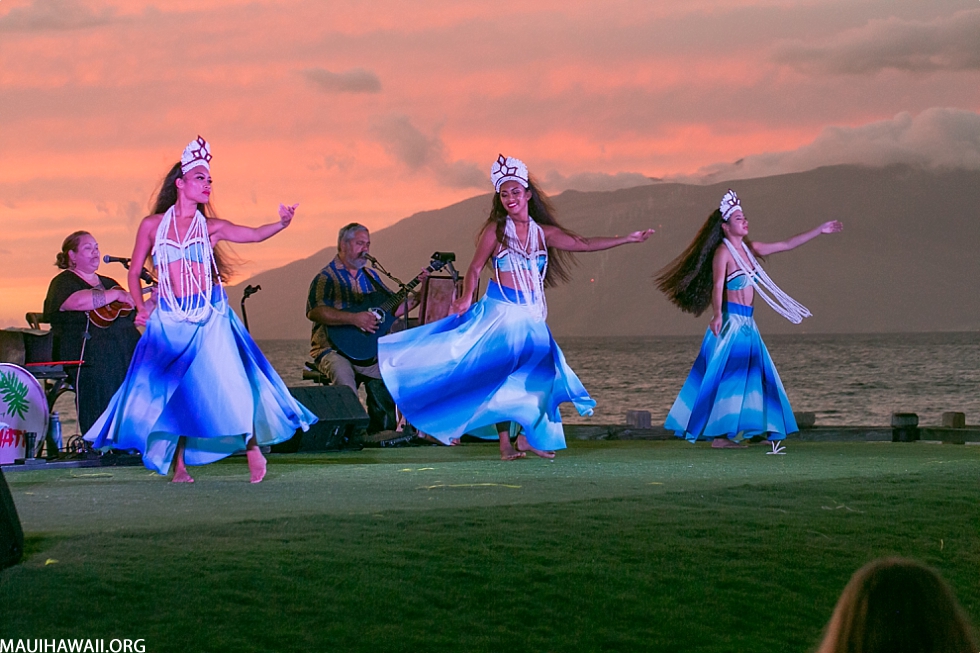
{"x": 688, "y": 279}
{"x": 541, "y": 211}
{"x": 224, "y": 258}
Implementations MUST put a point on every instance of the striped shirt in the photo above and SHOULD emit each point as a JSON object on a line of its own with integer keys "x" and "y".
{"x": 334, "y": 286}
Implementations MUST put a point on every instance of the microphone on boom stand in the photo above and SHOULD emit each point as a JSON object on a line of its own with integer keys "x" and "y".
{"x": 248, "y": 292}
{"x": 447, "y": 258}
{"x": 144, "y": 273}
{"x": 380, "y": 268}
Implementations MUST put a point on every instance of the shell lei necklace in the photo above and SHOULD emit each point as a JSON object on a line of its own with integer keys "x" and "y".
{"x": 195, "y": 280}
{"x": 780, "y": 302}
{"x": 528, "y": 278}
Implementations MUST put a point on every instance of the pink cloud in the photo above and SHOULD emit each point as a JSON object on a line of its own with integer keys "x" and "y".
{"x": 944, "y": 43}
{"x": 936, "y": 138}
{"x": 98, "y": 105}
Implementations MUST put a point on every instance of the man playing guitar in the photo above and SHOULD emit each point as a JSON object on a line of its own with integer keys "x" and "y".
{"x": 339, "y": 287}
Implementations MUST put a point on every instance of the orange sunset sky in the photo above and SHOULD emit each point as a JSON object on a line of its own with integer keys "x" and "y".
{"x": 370, "y": 111}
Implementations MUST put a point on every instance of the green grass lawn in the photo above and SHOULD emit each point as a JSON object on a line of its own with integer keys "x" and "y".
{"x": 614, "y": 546}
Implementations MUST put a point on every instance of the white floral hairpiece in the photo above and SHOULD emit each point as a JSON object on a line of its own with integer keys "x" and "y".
{"x": 508, "y": 169}
{"x": 197, "y": 153}
{"x": 729, "y": 204}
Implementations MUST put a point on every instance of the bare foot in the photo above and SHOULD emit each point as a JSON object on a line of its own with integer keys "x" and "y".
{"x": 507, "y": 452}
{"x": 181, "y": 476}
{"x": 524, "y": 445}
{"x": 180, "y": 470}
{"x": 256, "y": 464}
{"x": 725, "y": 443}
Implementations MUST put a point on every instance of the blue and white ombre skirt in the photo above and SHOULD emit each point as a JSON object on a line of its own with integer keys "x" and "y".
{"x": 494, "y": 363}
{"x": 206, "y": 381}
{"x": 733, "y": 389}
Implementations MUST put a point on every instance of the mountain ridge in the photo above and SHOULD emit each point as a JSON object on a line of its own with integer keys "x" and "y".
{"x": 904, "y": 262}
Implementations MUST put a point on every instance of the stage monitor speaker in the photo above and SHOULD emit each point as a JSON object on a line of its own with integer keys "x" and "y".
{"x": 11, "y": 535}
{"x": 340, "y": 416}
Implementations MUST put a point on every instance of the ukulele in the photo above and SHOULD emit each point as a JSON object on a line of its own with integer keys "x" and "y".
{"x": 104, "y": 316}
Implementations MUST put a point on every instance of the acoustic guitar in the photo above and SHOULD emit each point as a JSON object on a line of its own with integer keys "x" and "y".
{"x": 362, "y": 347}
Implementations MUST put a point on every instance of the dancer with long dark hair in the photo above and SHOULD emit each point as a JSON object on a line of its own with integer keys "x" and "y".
{"x": 733, "y": 390}
{"x": 198, "y": 388}
{"x": 495, "y": 363}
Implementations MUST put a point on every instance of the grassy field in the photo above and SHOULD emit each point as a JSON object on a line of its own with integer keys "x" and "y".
{"x": 614, "y": 546}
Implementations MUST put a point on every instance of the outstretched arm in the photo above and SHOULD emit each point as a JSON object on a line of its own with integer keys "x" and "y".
{"x": 484, "y": 249}
{"x": 224, "y": 230}
{"x": 559, "y": 239}
{"x": 765, "y": 249}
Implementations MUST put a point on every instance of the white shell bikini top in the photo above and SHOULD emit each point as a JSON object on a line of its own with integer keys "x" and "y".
{"x": 527, "y": 264}
{"x": 191, "y": 260}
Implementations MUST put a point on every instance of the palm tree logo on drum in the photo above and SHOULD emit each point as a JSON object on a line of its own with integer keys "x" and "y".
{"x": 14, "y": 393}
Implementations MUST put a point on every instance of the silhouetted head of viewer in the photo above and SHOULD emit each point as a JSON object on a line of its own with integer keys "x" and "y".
{"x": 895, "y": 605}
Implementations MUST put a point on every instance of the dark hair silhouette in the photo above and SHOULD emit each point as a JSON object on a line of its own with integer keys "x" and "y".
{"x": 541, "y": 211}
{"x": 70, "y": 245}
{"x": 687, "y": 280}
{"x": 896, "y": 605}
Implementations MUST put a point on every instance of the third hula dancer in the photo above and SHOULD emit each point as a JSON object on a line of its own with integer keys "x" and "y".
{"x": 733, "y": 390}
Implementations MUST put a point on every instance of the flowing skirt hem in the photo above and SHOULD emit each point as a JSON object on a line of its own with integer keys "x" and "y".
{"x": 207, "y": 382}
{"x": 733, "y": 389}
{"x": 466, "y": 374}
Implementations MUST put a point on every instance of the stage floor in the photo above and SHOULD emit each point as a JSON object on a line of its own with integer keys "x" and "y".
{"x": 613, "y": 545}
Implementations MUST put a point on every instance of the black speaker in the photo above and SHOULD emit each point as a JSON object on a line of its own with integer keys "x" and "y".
{"x": 11, "y": 534}
{"x": 340, "y": 416}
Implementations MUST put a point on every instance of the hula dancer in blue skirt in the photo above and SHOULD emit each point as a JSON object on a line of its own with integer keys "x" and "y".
{"x": 198, "y": 388}
{"x": 494, "y": 363}
{"x": 733, "y": 390}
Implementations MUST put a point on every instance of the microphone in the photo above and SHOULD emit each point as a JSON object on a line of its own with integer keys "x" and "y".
{"x": 250, "y": 290}
{"x": 370, "y": 258}
{"x": 144, "y": 273}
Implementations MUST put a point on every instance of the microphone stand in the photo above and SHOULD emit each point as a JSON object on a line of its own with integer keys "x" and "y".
{"x": 380, "y": 268}
{"x": 453, "y": 272}
{"x": 401, "y": 286}
{"x": 248, "y": 292}
{"x": 144, "y": 273}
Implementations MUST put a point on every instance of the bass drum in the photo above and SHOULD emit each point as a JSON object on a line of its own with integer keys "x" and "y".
{"x": 23, "y": 410}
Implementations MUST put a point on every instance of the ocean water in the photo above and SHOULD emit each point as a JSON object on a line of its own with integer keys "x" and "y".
{"x": 847, "y": 380}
